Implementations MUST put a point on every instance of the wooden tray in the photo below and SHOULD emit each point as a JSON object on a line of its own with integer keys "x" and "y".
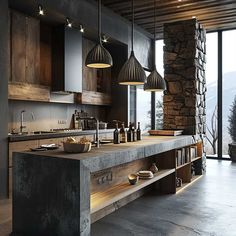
{"x": 165, "y": 132}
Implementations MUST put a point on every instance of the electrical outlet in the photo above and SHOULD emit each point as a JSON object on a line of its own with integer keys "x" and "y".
{"x": 62, "y": 122}
{"x": 104, "y": 178}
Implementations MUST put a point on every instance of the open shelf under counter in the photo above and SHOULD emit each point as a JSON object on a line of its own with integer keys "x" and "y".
{"x": 102, "y": 199}
{"x": 185, "y": 185}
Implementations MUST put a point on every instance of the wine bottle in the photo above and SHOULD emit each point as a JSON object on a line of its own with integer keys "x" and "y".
{"x": 116, "y": 139}
{"x": 139, "y": 135}
{"x": 134, "y": 133}
{"x": 130, "y": 133}
{"x": 123, "y": 134}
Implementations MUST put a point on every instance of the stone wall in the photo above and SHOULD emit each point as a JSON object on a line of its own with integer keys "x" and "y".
{"x": 184, "y": 64}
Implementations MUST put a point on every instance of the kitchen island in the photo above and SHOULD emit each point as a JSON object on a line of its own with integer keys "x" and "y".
{"x": 60, "y": 193}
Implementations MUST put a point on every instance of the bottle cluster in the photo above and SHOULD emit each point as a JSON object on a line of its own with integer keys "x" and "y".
{"x": 127, "y": 135}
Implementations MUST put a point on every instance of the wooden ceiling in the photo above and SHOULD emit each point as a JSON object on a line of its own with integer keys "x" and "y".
{"x": 212, "y": 14}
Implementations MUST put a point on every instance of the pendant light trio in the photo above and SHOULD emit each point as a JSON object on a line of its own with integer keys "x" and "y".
{"x": 132, "y": 73}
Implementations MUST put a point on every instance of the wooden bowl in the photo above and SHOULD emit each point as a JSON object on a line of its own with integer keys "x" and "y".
{"x": 77, "y": 147}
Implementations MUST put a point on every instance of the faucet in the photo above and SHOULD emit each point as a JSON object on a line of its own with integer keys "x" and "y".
{"x": 22, "y": 126}
{"x": 97, "y": 128}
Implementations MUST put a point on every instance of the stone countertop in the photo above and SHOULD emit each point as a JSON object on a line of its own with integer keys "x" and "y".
{"x": 26, "y": 137}
{"x": 109, "y": 155}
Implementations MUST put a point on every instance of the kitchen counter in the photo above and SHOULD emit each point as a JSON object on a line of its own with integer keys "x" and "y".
{"x": 56, "y": 134}
{"x": 52, "y": 188}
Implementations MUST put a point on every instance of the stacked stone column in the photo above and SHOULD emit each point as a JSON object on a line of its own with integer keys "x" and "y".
{"x": 184, "y": 65}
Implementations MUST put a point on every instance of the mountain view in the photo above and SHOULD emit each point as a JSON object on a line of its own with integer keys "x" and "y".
{"x": 229, "y": 92}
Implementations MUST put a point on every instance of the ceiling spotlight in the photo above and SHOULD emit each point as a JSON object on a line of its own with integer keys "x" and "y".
{"x": 68, "y": 23}
{"x": 104, "y": 39}
{"x": 194, "y": 17}
{"x": 41, "y": 11}
{"x": 81, "y": 29}
{"x": 179, "y": 0}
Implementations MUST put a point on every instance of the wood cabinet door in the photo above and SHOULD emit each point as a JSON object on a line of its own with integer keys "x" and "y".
{"x": 32, "y": 49}
{"x": 18, "y": 46}
{"x": 25, "y": 48}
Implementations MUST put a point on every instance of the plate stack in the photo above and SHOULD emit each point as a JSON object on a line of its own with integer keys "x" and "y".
{"x": 145, "y": 174}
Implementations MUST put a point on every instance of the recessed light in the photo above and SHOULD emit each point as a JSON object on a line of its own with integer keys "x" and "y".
{"x": 179, "y": 0}
{"x": 193, "y": 17}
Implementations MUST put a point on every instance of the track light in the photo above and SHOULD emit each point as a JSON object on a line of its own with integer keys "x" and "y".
{"x": 104, "y": 39}
{"x": 81, "y": 28}
{"x": 68, "y": 23}
{"x": 40, "y": 10}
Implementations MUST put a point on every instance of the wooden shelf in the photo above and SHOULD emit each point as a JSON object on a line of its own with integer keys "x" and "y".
{"x": 185, "y": 185}
{"x": 100, "y": 200}
{"x": 185, "y": 164}
{"x": 196, "y": 158}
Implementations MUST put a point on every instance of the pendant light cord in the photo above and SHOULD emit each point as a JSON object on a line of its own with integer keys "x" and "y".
{"x": 99, "y": 20}
{"x": 154, "y": 54}
{"x": 132, "y": 34}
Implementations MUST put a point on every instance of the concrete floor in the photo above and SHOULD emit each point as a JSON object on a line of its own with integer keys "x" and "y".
{"x": 207, "y": 207}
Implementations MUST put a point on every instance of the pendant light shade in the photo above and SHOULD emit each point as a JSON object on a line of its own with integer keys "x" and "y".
{"x": 99, "y": 57}
{"x": 155, "y": 82}
{"x": 132, "y": 73}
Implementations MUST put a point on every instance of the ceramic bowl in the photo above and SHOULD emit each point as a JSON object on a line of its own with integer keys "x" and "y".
{"x": 133, "y": 179}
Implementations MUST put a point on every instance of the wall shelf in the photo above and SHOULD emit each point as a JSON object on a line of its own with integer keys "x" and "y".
{"x": 102, "y": 199}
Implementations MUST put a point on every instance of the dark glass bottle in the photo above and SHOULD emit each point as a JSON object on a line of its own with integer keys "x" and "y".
{"x": 139, "y": 135}
{"x": 116, "y": 137}
{"x": 130, "y": 133}
{"x": 134, "y": 133}
{"x": 123, "y": 134}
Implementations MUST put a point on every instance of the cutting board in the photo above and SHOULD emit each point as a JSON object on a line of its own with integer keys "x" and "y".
{"x": 165, "y": 132}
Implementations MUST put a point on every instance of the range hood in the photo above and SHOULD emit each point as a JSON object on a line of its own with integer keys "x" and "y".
{"x": 66, "y": 60}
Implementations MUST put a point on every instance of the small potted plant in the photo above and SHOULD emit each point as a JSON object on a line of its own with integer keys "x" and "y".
{"x": 232, "y": 131}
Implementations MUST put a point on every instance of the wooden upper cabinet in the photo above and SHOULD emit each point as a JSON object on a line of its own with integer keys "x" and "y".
{"x": 66, "y": 60}
{"x": 25, "y": 49}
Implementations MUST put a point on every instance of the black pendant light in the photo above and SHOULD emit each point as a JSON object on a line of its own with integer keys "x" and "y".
{"x": 132, "y": 72}
{"x": 155, "y": 82}
{"x": 99, "y": 57}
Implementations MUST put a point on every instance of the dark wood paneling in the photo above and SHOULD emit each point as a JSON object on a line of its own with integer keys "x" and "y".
{"x": 32, "y": 50}
{"x": 18, "y": 44}
{"x": 25, "y": 49}
{"x": 45, "y": 55}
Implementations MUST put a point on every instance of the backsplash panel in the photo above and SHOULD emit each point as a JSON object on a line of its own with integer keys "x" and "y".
{"x": 48, "y": 115}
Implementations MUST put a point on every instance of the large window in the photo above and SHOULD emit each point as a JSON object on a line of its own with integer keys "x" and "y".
{"x": 228, "y": 82}
{"x": 211, "y": 95}
{"x": 143, "y": 108}
{"x": 159, "y": 95}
